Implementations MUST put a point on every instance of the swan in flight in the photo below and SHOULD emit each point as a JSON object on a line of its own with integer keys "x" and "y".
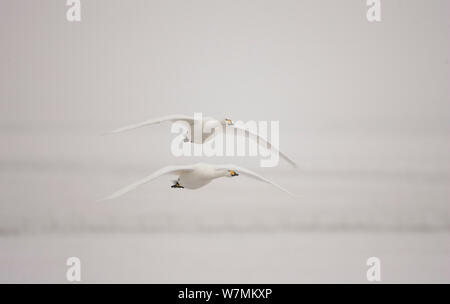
{"x": 195, "y": 176}
{"x": 208, "y": 124}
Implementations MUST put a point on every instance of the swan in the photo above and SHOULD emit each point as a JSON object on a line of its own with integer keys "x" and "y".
{"x": 208, "y": 124}
{"x": 194, "y": 177}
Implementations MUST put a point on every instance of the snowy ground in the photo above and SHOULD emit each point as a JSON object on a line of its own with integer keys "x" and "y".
{"x": 228, "y": 258}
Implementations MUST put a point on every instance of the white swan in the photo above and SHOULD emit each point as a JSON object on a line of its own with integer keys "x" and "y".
{"x": 208, "y": 124}
{"x": 195, "y": 176}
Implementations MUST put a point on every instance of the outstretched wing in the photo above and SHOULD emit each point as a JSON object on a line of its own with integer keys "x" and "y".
{"x": 152, "y": 121}
{"x": 163, "y": 171}
{"x": 253, "y": 175}
{"x": 264, "y": 142}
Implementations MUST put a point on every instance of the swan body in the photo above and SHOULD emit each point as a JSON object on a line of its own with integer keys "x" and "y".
{"x": 199, "y": 177}
{"x": 208, "y": 128}
{"x": 195, "y": 176}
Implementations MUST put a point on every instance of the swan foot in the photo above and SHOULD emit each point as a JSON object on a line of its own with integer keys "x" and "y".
{"x": 177, "y": 185}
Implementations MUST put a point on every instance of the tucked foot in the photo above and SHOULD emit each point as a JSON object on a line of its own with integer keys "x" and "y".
{"x": 177, "y": 185}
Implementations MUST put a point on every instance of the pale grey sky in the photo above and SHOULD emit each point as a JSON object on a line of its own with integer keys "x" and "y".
{"x": 313, "y": 65}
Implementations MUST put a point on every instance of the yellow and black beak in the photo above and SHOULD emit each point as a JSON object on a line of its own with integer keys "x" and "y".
{"x": 229, "y": 122}
{"x": 233, "y": 173}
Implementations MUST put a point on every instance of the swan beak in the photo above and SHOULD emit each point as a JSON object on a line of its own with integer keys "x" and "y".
{"x": 229, "y": 122}
{"x": 233, "y": 173}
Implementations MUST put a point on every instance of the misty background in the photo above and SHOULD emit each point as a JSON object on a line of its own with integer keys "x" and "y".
{"x": 363, "y": 107}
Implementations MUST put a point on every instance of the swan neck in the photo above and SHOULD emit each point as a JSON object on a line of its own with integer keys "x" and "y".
{"x": 220, "y": 173}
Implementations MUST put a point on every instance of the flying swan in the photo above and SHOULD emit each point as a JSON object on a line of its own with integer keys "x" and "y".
{"x": 208, "y": 124}
{"x": 195, "y": 176}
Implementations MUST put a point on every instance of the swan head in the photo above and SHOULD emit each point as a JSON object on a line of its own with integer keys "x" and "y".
{"x": 232, "y": 173}
{"x": 228, "y": 122}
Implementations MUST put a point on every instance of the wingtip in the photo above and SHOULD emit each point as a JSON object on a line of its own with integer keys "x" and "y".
{"x": 292, "y": 163}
